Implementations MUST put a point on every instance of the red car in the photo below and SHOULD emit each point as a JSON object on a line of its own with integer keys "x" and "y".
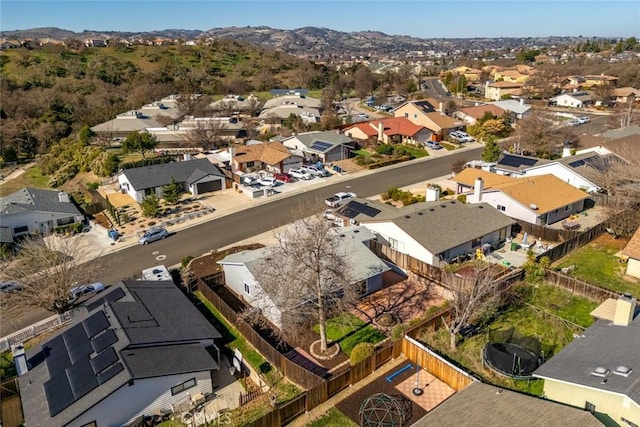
{"x": 283, "y": 177}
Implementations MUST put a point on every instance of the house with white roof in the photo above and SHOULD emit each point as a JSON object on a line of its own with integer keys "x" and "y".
{"x": 517, "y": 109}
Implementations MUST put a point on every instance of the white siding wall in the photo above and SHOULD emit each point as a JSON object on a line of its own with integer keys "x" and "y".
{"x": 514, "y": 209}
{"x": 401, "y": 241}
{"x": 35, "y": 221}
{"x": 144, "y": 397}
{"x": 565, "y": 174}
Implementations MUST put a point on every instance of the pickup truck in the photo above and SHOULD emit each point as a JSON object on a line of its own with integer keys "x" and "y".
{"x": 338, "y": 198}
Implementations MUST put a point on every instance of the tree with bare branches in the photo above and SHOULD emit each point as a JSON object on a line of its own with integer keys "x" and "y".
{"x": 306, "y": 277}
{"x": 472, "y": 295}
{"x": 603, "y": 93}
{"x": 207, "y": 134}
{"x": 539, "y": 136}
{"x": 46, "y": 269}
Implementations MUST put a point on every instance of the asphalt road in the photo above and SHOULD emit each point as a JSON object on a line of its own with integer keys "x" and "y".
{"x": 250, "y": 222}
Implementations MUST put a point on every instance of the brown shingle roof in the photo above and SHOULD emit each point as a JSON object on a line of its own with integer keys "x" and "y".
{"x": 481, "y": 110}
{"x": 270, "y": 153}
{"x": 632, "y": 250}
{"x": 506, "y": 85}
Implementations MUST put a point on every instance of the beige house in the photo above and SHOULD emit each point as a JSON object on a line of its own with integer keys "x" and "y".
{"x": 632, "y": 252}
{"x": 623, "y": 95}
{"x": 272, "y": 156}
{"x": 496, "y": 90}
{"x": 394, "y": 130}
{"x": 600, "y": 369}
{"x": 424, "y": 114}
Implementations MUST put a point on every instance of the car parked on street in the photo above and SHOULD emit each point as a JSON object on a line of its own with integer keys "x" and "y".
{"x": 284, "y": 177}
{"x": 93, "y": 288}
{"x": 583, "y": 120}
{"x": 268, "y": 181}
{"x": 300, "y": 174}
{"x": 152, "y": 235}
{"x": 338, "y": 198}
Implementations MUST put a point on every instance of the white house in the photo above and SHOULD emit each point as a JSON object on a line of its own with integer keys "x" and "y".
{"x": 540, "y": 200}
{"x": 240, "y": 270}
{"x": 517, "y": 109}
{"x": 197, "y": 177}
{"x": 573, "y": 99}
{"x": 138, "y": 348}
{"x": 437, "y": 232}
{"x": 34, "y": 210}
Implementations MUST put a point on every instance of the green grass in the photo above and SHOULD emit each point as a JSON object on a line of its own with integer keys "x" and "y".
{"x": 598, "y": 266}
{"x": 561, "y": 303}
{"x": 32, "y": 177}
{"x": 416, "y": 152}
{"x": 361, "y": 152}
{"x": 333, "y": 418}
{"x": 348, "y": 331}
{"x": 448, "y": 146}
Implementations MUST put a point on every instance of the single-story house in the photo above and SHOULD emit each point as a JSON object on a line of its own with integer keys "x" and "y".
{"x": 236, "y": 103}
{"x": 623, "y": 95}
{"x": 496, "y": 90}
{"x": 600, "y": 369}
{"x": 540, "y": 200}
{"x": 126, "y": 123}
{"x": 423, "y": 113}
{"x": 356, "y": 210}
{"x": 277, "y": 109}
{"x": 394, "y": 130}
{"x": 366, "y": 271}
{"x": 326, "y": 146}
{"x": 137, "y": 348}
{"x": 197, "y": 176}
{"x": 272, "y": 156}
{"x": 439, "y": 231}
{"x": 470, "y": 115}
{"x": 228, "y": 128}
{"x": 34, "y": 210}
{"x": 573, "y": 99}
{"x": 517, "y": 109}
{"x": 599, "y": 79}
{"x": 632, "y": 252}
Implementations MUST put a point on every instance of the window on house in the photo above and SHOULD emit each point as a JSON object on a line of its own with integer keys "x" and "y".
{"x": 568, "y": 208}
{"x": 182, "y": 387}
{"x": 250, "y": 164}
{"x": 246, "y": 288}
{"x": 415, "y": 115}
{"x": 476, "y": 242}
{"x": 64, "y": 221}
{"x": 406, "y": 115}
{"x": 395, "y": 244}
{"x": 588, "y": 406}
{"x": 502, "y": 208}
{"x": 22, "y": 229}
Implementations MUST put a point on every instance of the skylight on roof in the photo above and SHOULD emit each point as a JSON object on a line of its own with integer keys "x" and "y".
{"x": 623, "y": 371}
{"x": 600, "y": 372}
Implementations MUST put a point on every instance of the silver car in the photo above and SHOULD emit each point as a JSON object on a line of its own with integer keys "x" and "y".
{"x": 152, "y": 235}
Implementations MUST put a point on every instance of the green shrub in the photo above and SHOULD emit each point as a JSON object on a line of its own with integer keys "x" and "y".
{"x": 93, "y": 185}
{"x": 146, "y": 162}
{"x": 388, "y": 162}
{"x": 185, "y": 261}
{"x": 397, "y": 332}
{"x": 462, "y": 198}
{"x": 386, "y": 149}
{"x": 361, "y": 352}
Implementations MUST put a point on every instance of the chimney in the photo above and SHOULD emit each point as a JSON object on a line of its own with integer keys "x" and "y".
{"x": 441, "y": 107}
{"x": 433, "y": 193}
{"x": 625, "y": 308}
{"x": 186, "y": 157}
{"x": 380, "y": 131}
{"x": 63, "y": 197}
{"x": 521, "y": 101}
{"x": 478, "y": 189}
{"x": 20, "y": 359}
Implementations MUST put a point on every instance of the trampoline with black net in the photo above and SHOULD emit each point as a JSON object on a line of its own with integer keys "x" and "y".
{"x": 512, "y": 354}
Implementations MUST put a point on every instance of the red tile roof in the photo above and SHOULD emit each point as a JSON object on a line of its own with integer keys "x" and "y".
{"x": 392, "y": 126}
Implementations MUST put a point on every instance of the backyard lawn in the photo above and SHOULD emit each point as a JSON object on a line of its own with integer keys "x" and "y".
{"x": 597, "y": 264}
{"x": 333, "y": 418}
{"x": 545, "y": 312}
{"x": 32, "y": 177}
{"x": 362, "y": 152}
{"x": 348, "y": 330}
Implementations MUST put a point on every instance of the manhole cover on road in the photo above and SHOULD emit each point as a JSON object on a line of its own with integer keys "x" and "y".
{"x": 161, "y": 257}
{"x": 155, "y": 252}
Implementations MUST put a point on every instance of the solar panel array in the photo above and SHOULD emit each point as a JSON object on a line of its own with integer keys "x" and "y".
{"x": 73, "y": 371}
{"x": 516, "y": 161}
{"x": 353, "y": 209}
{"x": 113, "y": 295}
{"x": 321, "y": 146}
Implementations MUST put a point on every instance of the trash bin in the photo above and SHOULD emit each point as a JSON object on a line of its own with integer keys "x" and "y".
{"x": 514, "y": 246}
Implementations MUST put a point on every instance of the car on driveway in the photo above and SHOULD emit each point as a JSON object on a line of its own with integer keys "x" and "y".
{"x": 315, "y": 170}
{"x": 434, "y": 145}
{"x": 300, "y": 174}
{"x": 152, "y": 235}
{"x": 268, "y": 181}
{"x": 338, "y": 199}
{"x": 583, "y": 120}
{"x": 250, "y": 180}
{"x": 284, "y": 177}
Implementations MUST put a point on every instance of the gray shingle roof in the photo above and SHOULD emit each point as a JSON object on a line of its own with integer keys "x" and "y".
{"x": 159, "y": 175}
{"x": 168, "y": 359}
{"x": 603, "y": 344}
{"x": 329, "y": 136}
{"x": 36, "y": 199}
{"x": 485, "y": 405}
{"x": 443, "y": 225}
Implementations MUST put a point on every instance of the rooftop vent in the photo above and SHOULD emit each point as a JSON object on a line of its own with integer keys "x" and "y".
{"x": 533, "y": 207}
{"x": 600, "y": 372}
{"x": 443, "y": 206}
{"x": 623, "y": 371}
{"x": 480, "y": 207}
{"x": 341, "y": 235}
{"x": 420, "y": 213}
{"x": 432, "y": 210}
{"x": 407, "y": 216}
{"x": 356, "y": 231}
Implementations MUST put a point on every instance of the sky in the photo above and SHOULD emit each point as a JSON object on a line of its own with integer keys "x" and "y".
{"x": 419, "y": 18}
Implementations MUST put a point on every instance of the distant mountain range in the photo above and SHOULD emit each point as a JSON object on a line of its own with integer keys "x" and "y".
{"x": 312, "y": 41}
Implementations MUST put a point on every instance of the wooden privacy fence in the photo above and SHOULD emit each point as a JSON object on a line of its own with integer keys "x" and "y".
{"x": 406, "y": 261}
{"x": 579, "y": 287}
{"x": 573, "y": 243}
{"x": 34, "y": 330}
{"x": 291, "y": 370}
{"x": 545, "y": 233}
{"x": 249, "y": 396}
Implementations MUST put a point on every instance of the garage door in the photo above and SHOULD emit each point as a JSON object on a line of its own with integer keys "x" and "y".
{"x": 207, "y": 187}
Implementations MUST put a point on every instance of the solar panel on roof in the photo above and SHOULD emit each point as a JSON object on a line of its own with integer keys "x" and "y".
{"x": 577, "y": 163}
{"x": 104, "y": 360}
{"x": 110, "y": 373}
{"x": 353, "y": 209}
{"x": 58, "y": 393}
{"x": 104, "y": 340}
{"x": 113, "y": 295}
{"x": 77, "y": 343}
{"x": 82, "y": 378}
{"x": 95, "y": 323}
{"x": 321, "y": 146}
{"x": 56, "y": 355}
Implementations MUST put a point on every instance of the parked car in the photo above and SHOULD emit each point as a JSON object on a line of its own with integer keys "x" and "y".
{"x": 268, "y": 181}
{"x": 300, "y": 174}
{"x": 435, "y": 145}
{"x": 250, "y": 180}
{"x": 284, "y": 177}
{"x": 362, "y": 116}
{"x": 573, "y": 122}
{"x": 152, "y": 235}
{"x": 583, "y": 120}
{"x": 6, "y": 287}
{"x": 93, "y": 288}
{"x": 338, "y": 198}
{"x": 315, "y": 170}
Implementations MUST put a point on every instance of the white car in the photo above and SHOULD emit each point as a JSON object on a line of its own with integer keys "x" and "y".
{"x": 250, "y": 180}
{"x": 583, "y": 120}
{"x": 315, "y": 170}
{"x": 93, "y": 288}
{"x": 300, "y": 174}
{"x": 338, "y": 199}
{"x": 268, "y": 181}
